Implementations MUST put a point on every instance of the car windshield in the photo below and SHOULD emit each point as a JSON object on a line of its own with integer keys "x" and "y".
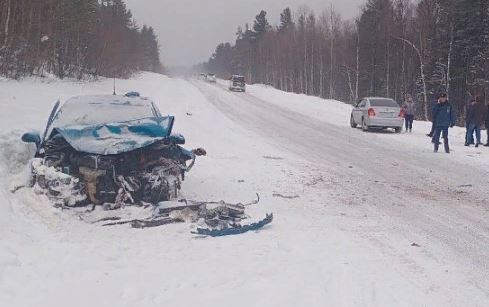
{"x": 383, "y": 103}
{"x": 95, "y": 110}
{"x": 238, "y": 79}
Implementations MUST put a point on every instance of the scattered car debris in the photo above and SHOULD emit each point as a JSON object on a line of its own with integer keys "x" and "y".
{"x": 213, "y": 218}
{"x": 285, "y": 196}
{"x": 236, "y": 229}
{"x": 146, "y": 223}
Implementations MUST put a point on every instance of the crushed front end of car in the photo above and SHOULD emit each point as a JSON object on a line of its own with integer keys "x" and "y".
{"x": 112, "y": 164}
{"x": 111, "y": 152}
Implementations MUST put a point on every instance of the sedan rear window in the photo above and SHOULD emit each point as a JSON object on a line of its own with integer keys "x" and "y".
{"x": 383, "y": 103}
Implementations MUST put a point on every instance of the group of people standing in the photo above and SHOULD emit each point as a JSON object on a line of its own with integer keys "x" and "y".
{"x": 477, "y": 115}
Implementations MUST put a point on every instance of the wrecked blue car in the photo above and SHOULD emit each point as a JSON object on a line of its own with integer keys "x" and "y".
{"x": 110, "y": 151}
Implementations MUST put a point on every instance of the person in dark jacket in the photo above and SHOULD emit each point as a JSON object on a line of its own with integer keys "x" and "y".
{"x": 444, "y": 118}
{"x": 487, "y": 124}
{"x": 468, "y": 113}
{"x": 433, "y": 126}
{"x": 476, "y": 117}
{"x": 409, "y": 110}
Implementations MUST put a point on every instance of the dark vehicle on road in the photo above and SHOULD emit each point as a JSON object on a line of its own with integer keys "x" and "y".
{"x": 237, "y": 84}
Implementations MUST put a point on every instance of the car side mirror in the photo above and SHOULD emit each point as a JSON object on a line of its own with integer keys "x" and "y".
{"x": 32, "y": 137}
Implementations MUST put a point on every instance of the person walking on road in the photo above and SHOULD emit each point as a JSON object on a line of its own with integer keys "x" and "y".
{"x": 444, "y": 118}
{"x": 409, "y": 109}
{"x": 476, "y": 117}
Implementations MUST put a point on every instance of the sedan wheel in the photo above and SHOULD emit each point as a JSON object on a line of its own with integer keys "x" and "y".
{"x": 364, "y": 125}
{"x": 352, "y": 122}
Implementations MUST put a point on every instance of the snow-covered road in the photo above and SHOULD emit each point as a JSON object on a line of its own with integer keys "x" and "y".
{"x": 435, "y": 200}
{"x": 348, "y": 205}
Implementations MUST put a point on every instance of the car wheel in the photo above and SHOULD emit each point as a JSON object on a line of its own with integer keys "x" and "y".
{"x": 352, "y": 122}
{"x": 398, "y": 130}
{"x": 364, "y": 125}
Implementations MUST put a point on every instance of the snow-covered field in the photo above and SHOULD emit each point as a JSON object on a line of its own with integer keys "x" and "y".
{"x": 361, "y": 219}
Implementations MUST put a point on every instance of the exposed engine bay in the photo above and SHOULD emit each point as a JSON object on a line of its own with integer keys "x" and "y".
{"x": 151, "y": 174}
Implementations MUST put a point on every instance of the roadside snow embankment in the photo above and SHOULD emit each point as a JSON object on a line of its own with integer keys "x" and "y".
{"x": 328, "y": 110}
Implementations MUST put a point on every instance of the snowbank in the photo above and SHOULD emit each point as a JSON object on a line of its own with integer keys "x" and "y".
{"x": 338, "y": 113}
{"x": 329, "y": 110}
{"x": 49, "y": 257}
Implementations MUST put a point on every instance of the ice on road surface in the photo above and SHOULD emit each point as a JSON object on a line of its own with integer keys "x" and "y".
{"x": 361, "y": 219}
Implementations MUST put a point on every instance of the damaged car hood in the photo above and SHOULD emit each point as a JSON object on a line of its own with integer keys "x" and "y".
{"x": 119, "y": 137}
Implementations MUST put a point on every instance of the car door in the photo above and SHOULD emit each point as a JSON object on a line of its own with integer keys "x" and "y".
{"x": 358, "y": 111}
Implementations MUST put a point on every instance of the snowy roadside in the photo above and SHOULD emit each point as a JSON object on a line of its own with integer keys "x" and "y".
{"x": 338, "y": 113}
{"x": 44, "y": 249}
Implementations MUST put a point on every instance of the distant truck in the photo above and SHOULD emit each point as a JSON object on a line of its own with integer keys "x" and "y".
{"x": 237, "y": 84}
{"x": 211, "y": 78}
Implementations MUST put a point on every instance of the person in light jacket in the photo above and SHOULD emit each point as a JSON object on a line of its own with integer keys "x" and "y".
{"x": 409, "y": 109}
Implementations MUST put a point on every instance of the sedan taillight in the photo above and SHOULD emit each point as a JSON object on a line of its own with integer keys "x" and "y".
{"x": 371, "y": 112}
{"x": 401, "y": 113}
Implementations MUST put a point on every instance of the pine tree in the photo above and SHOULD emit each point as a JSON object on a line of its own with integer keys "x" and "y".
{"x": 286, "y": 21}
{"x": 261, "y": 24}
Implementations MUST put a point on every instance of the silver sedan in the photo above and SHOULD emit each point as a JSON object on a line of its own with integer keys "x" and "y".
{"x": 377, "y": 113}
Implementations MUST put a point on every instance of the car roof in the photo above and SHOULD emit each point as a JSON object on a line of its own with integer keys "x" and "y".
{"x": 116, "y": 100}
{"x": 101, "y": 109}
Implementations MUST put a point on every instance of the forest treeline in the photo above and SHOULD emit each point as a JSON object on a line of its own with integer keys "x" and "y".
{"x": 73, "y": 38}
{"x": 394, "y": 47}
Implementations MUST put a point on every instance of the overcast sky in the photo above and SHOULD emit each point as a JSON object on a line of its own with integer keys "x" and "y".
{"x": 189, "y": 30}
